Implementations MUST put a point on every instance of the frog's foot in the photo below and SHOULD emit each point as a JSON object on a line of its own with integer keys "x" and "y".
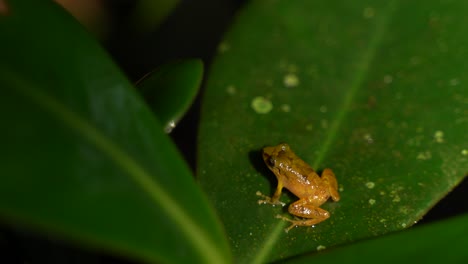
{"x": 298, "y": 222}
{"x": 268, "y": 200}
{"x": 294, "y": 223}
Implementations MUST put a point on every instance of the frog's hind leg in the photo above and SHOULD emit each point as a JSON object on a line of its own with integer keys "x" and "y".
{"x": 311, "y": 213}
{"x": 328, "y": 177}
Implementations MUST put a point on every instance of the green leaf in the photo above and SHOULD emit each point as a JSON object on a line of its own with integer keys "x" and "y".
{"x": 373, "y": 90}
{"x": 83, "y": 156}
{"x": 425, "y": 244}
{"x": 171, "y": 89}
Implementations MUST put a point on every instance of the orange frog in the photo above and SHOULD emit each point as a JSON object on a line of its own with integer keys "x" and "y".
{"x": 299, "y": 178}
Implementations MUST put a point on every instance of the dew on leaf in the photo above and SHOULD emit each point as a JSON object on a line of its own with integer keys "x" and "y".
{"x": 368, "y": 138}
{"x": 231, "y": 89}
{"x": 170, "y": 126}
{"x": 321, "y": 247}
{"x": 439, "y": 136}
{"x": 425, "y": 155}
{"x": 286, "y": 108}
{"x": 290, "y": 80}
{"x": 261, "y": 105}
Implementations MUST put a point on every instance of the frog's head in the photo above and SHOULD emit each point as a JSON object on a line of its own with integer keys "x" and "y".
{"x": 273, "y": 155}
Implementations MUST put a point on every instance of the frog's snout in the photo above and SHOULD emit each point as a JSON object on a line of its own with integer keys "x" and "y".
{"x": 268, "y": 150}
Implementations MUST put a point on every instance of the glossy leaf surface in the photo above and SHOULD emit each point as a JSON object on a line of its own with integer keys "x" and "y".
{"x": 171, "y": 89}
{"x": 83, "y": 156}
{"x": 374, "y": 90}
{"x": 426, "y": 244}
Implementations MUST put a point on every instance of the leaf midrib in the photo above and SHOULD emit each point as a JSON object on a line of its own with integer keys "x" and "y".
{"x": 355, "y": 84}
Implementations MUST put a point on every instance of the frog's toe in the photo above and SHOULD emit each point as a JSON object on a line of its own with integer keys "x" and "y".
{"x": 289, "y": 228}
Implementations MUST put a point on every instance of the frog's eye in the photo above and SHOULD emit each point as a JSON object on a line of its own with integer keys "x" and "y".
{"x": 271, "y": 161}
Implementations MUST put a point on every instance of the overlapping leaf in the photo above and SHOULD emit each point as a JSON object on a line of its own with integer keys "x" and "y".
{"x": 83, "y": 157}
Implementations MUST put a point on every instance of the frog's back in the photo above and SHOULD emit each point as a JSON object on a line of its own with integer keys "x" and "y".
{"x": 303, "y": 181}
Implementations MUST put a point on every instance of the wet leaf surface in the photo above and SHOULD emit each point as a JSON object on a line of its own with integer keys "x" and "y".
{"x": 374, "y": 91}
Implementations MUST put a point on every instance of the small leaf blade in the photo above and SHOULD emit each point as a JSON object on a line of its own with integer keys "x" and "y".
{"x": 171, "y": 89}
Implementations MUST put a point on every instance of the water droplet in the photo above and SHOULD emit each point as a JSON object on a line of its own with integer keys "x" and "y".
{"x": 368, "y": 138}
{"x": 286, "y": 108}
{"x": 321, "y": 247}
{"x": 231, "y": 90}
{"x": 261, "y": 105}
{"x": 439, "y": 136}
{"x": 290, "y": 80}
{"x": 370, "y": 185}
{"x": 371, "y": 201}
{"x": 424, "y": 155}
{"x": 170, "y": 126}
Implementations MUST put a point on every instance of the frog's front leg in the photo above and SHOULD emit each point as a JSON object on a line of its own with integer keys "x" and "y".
{"x": 275, "y": 198}
{"x": 306, "y": 209}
